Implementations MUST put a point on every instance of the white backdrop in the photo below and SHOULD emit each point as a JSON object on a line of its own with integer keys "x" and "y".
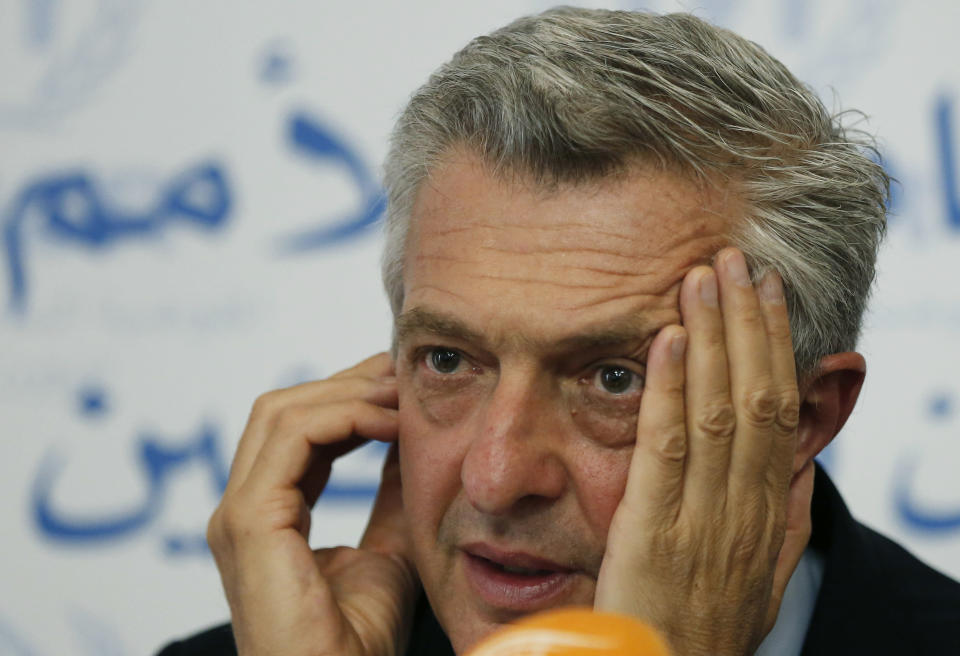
{"x": 188, "y": 200}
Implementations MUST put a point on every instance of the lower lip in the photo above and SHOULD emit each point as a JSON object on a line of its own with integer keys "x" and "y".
{"x": 516, "y": 592}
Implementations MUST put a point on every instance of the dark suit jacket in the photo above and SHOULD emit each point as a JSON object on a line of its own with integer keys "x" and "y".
{"x": 875, "y": 598}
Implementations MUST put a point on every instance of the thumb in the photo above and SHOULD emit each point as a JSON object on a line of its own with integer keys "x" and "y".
{"x": 386, "y": 530}
{"x": 795, "y": 539}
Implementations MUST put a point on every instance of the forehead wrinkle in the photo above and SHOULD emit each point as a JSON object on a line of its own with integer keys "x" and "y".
{"x": 559, "y": 250}
{"x": 607, "y": 271}
{"x": 650, "y": 243}
{"x": 442, "y": 290}
{"x": 457, "y": 228}
{"x": 542, "y": 281}
{"x": 423, "y": 257}
{"x": 697, "y": 257}
{"x": 565, "y": 227}
{"x": 606, "y": 299}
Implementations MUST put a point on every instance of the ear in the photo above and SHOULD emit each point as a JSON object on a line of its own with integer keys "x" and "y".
{"x": 826, "y": 400}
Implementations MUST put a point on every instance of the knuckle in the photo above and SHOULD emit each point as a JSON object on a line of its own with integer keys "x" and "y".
{"x": 291, "y": 417}
{"x": 788, "y": 412}
{"x": 671, "y": 446}
{"x": 753, "y": 320}
{"x": 714, "y": 343}
{"x": 760, "y": 407}
{"x": 266, "y": 404}
{"x": 718, "y": 420}
{"x": 213, "y": 529}
{"x": 224, "y": 525}
{"x": 355, "y": 406}
{"x": 780, "y": 338}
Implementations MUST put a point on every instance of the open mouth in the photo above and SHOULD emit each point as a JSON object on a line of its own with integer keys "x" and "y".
{"x": 511, "y": 569}
{"x": 516, "y": 582}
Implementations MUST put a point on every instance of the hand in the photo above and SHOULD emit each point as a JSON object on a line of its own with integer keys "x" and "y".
{"x": 284, "y": 597}
{"x": 710, "y": 527}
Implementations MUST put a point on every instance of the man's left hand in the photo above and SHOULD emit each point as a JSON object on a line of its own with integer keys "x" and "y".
{"x": 713, "y": 520}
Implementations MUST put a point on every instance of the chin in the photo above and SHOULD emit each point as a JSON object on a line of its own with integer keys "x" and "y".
{"x": 465, "y": 637}
{"x": 466, "y": 624}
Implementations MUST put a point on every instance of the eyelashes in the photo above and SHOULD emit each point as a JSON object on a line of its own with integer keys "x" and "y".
{"x": 615, "y": 378}
{"x": 602, "y": 398}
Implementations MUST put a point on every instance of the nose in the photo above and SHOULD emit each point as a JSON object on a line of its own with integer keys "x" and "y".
{"x": 515, "y": 453}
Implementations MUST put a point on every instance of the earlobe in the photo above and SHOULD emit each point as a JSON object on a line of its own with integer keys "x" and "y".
{"x": 826, "y": 401}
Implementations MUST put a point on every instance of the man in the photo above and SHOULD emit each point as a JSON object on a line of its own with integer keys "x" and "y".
{"x": 593, "y": 399}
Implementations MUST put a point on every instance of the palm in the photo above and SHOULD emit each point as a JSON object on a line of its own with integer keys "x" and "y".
{"x": 373, "y": 596}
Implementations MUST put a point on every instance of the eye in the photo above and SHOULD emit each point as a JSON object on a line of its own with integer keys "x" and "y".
{"x": 617, "y": 379}
{"x": 443, "y": 360}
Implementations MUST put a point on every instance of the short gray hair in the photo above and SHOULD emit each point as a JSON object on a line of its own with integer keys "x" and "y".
{"x": 572, "y": 95}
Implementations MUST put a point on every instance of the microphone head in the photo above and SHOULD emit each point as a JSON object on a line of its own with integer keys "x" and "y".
{"x": 574, "y": 632}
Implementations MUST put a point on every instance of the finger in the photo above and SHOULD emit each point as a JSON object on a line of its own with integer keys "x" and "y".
{"x": 709, "y": 412}
{"x": 269, "y": 407}
{"x": 784, "y": 373}
{"x": 654, "y": 487}
{"x": 386, "y": 530}
{"x": 322, "y": 459}
{"x": 290, "y": 452}
{"x": 795, "y": 539}
{"x": 751, "y": 382}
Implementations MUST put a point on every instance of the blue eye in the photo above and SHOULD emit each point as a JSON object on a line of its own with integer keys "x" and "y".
{"x": 615, "y": 379}
{"x": 444, "y": 360}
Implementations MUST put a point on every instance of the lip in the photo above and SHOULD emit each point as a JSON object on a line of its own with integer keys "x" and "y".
{"x": 520, "y": 593}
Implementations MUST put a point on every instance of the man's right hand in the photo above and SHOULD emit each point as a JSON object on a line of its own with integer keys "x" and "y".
{"x": 284, "y": 597}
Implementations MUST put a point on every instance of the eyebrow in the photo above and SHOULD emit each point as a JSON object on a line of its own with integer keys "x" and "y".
{"x": 420, "y": 320}
{"x": 617, "y": 332}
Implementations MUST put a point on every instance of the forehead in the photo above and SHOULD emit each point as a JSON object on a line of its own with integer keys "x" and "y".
{"x": 510, "y": 255}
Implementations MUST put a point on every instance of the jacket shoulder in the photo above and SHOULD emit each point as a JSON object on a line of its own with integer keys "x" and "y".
{"x": 875, "y": 597}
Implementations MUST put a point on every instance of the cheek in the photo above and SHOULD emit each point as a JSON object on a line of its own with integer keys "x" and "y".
{"x": 600, "y": 477}
{"x": 429, "y": 458}
{"x": 607, "y": 420}
{"x": 444, "y": 405}
{"x": 615, "y": 429}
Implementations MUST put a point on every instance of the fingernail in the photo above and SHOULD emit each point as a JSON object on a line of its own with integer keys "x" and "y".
{"x": 708, "y": 289}
{"x": 771, "y": 288}
{"x": 678, "y": 345}
{"x": 736, "y": 266}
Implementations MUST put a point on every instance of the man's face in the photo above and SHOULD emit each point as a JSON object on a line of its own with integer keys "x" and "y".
{"x": 522, "y": 342}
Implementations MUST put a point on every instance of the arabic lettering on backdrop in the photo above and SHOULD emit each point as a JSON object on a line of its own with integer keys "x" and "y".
{"x": 910, "y": 510}
{"x": 157, "y": 458}
{"x": 309, "y": 138}
{"x": 73, "y": 208}
{"x": 947, "y": 144}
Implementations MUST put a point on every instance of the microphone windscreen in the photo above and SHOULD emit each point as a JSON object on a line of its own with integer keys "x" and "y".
{"x": 574, "y": 632}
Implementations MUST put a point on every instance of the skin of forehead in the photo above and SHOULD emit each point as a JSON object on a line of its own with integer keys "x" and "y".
{"x": 605, "y": 258}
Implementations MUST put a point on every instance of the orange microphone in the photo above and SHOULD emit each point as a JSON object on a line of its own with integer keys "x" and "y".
{"x": 574, "y": 632}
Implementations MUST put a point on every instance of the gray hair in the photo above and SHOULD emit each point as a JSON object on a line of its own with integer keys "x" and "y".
{"x": 572, "y": 95}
